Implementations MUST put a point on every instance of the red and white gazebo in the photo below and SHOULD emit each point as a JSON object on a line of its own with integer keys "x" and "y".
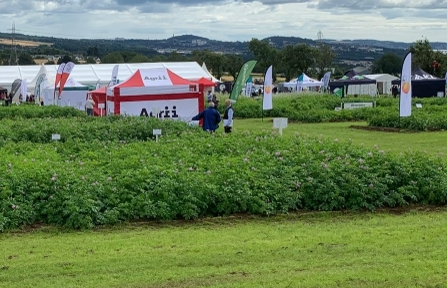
{"x": 156, "y": 92}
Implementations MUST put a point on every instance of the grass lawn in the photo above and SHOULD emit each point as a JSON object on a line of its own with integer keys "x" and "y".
{"x": 300, "y": 250}
{"x": 432, "y": 142}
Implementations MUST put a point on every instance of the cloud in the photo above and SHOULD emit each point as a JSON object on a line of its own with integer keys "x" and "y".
{"x": 228, "y": 20}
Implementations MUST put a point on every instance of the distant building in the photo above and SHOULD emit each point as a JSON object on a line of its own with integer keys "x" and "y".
{"x": 442, "y": 51}
{"x": 198, "y": 42}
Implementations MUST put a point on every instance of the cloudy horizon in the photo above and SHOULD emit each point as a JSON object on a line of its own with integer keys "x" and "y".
{"x": 228, "y": 20}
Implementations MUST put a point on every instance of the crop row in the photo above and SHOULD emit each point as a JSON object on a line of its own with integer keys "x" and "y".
{"x": 77, "y": 184}
{"x": 87, "y": 129}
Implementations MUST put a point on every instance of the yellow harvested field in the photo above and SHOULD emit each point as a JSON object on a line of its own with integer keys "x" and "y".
{"x": 23, "y": 43}
{"x": 41, "y": 61}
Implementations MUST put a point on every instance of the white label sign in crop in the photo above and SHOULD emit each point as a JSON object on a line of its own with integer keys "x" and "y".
{"x": 101, "y": 105}
{"x": 356, "y": 105}
{"x": 56, "y": 137}
{"x": 156, "y": 131}
{"x": 279, "y": 123}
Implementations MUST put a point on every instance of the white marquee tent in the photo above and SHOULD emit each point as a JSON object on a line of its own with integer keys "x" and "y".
{"x": 74, "y": 94}
{"x": 306, "y": 82}
{"x": 90, "y": 74}
{"x": 383, "y": 82}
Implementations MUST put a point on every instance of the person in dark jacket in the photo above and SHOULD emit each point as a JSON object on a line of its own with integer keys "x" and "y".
{"x": 228, "y": 116}
{"x": 211, "y": 118}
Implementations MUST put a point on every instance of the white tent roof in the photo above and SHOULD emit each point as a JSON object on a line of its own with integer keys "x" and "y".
{"x": 73, "y": 83}
{"x": 307, "y": 82}
{"x": 89, "y": 74}
{"x": 212, "y": 78}
{"x": 381, "y": 77}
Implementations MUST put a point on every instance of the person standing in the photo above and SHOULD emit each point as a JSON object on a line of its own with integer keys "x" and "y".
{"x": 89, "y": 104}
{"x": 7, "y": 99}
{"x": 211, "y": 118}
{"x": 209, "y": 97}
{"x": 228, "y": 117}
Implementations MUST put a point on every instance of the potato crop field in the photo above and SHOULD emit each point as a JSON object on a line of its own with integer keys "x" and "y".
{"x": 108, "y": 206}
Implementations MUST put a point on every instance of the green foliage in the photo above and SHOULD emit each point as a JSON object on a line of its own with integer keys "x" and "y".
{"x": 114, "y": 57}
{"x": 26, "y": 59}
{"x": 81, "y": 184}
{"x": 33, "y": 111}
{"x": 431, "y": 117}
{"x": 425, "y": 58}
{"x": 309, "y": 108}
{"x": 88, "y": 129}
{"x": 389, "y": 63}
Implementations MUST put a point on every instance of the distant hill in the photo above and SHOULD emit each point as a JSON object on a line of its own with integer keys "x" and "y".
{"x": 346, "y": 50}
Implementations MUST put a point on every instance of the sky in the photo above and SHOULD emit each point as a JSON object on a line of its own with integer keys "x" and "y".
{"x": 233, "y": 20}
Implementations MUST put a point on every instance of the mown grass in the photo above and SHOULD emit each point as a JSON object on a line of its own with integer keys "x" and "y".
{"x": 300, "y": 250}
{"x": 434, "y": 143}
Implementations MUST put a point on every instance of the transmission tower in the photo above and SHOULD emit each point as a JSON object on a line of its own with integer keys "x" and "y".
{"x": 13, "y": 59}
{"x": 320, "y": 37}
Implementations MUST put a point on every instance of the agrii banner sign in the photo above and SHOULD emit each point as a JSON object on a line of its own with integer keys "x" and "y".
{"x": 156, "y": 77}
{"x": 178, "y": 109}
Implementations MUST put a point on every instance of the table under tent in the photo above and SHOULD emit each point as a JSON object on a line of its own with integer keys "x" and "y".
{"x": 424, "y": 84}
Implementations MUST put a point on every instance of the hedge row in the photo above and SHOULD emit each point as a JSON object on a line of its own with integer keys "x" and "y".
{"x": 35, "y": 111}
{"x": 81, "y": 185}
{"x": 418, "y": 121}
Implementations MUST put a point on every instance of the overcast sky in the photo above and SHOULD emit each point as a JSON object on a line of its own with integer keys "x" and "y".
{"x": 234, "y": 20}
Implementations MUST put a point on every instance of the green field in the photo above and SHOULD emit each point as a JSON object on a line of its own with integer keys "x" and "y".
{"x": 434, "y": 143}
{"x": 299, "y": 250}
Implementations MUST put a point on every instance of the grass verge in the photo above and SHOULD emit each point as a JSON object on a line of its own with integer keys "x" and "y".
{"x": 300, "y": 250}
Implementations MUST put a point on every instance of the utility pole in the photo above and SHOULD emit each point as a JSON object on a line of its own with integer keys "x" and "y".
{"x": 13, "y": 59}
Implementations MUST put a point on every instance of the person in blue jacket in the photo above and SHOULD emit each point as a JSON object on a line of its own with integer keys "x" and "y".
{"x": 211, "y": 118}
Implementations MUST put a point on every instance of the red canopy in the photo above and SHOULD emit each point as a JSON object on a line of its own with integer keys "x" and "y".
{"x": 205, "y": 82}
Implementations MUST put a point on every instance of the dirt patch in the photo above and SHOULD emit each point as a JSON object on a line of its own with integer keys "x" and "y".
{"x": 373, "y": 128}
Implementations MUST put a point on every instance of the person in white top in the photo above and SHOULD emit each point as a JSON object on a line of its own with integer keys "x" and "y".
{"x": 228, "y": 116}
{"x": 89, "y": 104}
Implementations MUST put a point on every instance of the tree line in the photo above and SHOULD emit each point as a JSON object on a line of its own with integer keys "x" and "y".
{"x": 289, "y": 62}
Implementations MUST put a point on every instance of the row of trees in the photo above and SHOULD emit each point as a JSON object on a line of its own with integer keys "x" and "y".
{"x": 289, "y": 61}
{"x": 293, "y": 59}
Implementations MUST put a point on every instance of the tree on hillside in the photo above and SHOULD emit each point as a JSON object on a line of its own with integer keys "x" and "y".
{"x": 93, "y": 52}
{"x": 90, "y": 60}
{"x": 389, "y": 63}
{"x": 26, "y": 59}
{"x": 424, "y": 57}
{"x": 114, "y": 57}
{"x": 324, "y": 57}
{"x": 233, "y": 64}
{"x": 4, "y": 56}
{"x": 175, "y": 57}
{"x": 422, "y": 54}
{"x": 201, "y": 56}
{"x": 139, "y": 58}
{"x": 265, "y": 54}
{"x": 288, "y": 62}
{"x": 216, "y": 64}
